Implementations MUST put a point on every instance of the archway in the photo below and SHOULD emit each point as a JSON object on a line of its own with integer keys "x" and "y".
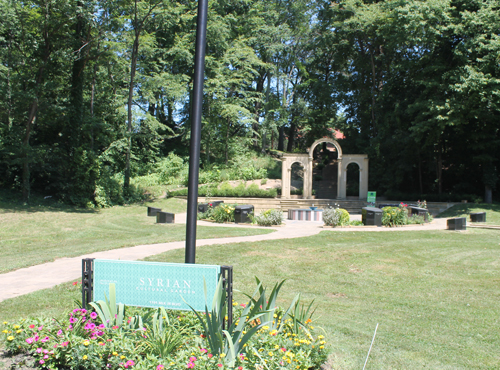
{"x": 325, "y": 170}
{"x": 307, "y": 161}
{"x": 297, "y": 179}
{"x": 352, "y": 180}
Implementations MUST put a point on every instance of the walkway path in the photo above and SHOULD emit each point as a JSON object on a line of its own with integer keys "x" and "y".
{"x": 48, "y": 275}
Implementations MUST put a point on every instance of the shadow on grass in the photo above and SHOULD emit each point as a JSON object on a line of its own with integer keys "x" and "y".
{"x": 465, "y": 208}
{"x": 11, "y": 201}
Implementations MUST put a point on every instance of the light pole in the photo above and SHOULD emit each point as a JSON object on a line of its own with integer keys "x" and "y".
{"x": 197, "y": 106}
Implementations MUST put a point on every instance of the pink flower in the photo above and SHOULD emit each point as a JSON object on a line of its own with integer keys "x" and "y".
{"x": 64, "y": 344}
{"x": 38, "y": 350}
{"x": 45, "y": 357}
{"x": 190, "y": 365}
{"x": 84, "y": 311}
{"x": 45, "y": 351}
{"x": 160, "y": 367}
{"x": 210, "y": 355}
{"x": 76, "y": 310}
{"x": 55, "y": 345}
{"x": 283, "y": 349}
{"x": 32, "y": 326}
{"x": 93, "y": 315}
{"x": 203, "y": 350}
{"x": 29, "y": 340}
{"x": 41, "y": 362}
{"x": 46, "y": 339}
{"x": 192, "y": 359}
{"x": 40, "y": 328}
{"x": 219, "y": 365}
{"x": 74, "y": 283}
{"x": 102, "y": 326}
{"x": 60, "y": 332}
{"x": 130, "y": 363}
{"x": 72, "y": 320}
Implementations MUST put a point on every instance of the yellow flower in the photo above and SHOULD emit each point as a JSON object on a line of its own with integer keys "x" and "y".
{"x": 270, "y": 354}
{"x": 122, "y": 357}
{"x": 16, "y": 326}
{"x": 10, "y": 338}
{"x": 222, "y": 355}
{"x": 5, "y": 331}
{"x": 5, "y": 322}
{"x": 115, "y": 353}
{"x": 18, "y": 331}
{"x": 85, "y": 357}
{"x": 321, "y": 347}
{"x": 86, "y": 343}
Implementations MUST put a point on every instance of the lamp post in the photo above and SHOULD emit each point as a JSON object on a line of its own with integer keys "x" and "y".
{"x": 197, "y": 106}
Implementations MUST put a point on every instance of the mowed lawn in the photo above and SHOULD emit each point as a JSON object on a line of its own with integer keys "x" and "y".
{"x": 434, "y": 294}
{"x": 37, "y": 234}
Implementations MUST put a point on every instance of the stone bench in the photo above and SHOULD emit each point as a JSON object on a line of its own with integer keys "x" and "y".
{"x": 165, "y": 218}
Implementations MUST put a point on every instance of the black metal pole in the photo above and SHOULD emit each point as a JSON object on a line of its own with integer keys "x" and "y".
{"x": 197, "y": 105}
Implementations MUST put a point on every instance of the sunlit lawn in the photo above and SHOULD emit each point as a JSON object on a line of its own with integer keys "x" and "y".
{"x": 434, "y": 294}
{"x": 38, "y": 234}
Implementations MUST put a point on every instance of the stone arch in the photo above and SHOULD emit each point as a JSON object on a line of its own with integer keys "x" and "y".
{"x": 362, "y": 161}
{"x": 326, "y": 140}
{"x": 307, "y": 161}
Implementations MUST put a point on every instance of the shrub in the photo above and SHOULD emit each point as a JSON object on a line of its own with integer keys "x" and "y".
{"x": 395, "y": 216}
{"x": 223, "y": 213}
{"x": 270, "y": 217}
{"x": 226, "y": 190}
{"x": 336, "y": 217}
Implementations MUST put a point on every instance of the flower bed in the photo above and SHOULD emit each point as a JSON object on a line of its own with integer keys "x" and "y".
{"x": 262, "y": 336}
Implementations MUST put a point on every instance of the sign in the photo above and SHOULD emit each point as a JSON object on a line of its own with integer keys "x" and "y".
{"x": 155, "y": 284}
{"x": 372, "y": 196}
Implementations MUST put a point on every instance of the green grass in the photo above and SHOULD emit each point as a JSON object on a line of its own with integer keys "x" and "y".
{"x": 32, "y": 235}
{"x": 434, "y": 293}
{"x": 463, "y": 210}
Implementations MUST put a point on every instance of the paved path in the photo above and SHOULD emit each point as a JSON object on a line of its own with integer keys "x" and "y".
{"x": 48, "y": 275}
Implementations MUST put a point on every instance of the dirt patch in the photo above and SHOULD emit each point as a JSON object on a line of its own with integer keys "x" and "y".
{"x": 21, "y": 361}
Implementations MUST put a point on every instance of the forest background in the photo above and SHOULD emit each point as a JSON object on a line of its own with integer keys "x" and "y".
{"x": 94, "y": 94}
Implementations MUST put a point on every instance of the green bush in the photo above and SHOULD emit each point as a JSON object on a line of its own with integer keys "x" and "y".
{"x": 226, "y": 190}
{"x": 270, "y": 217}
{"x": 223, "y": 213}
{"x": 336, "y": 217}
{"x": 395, "y": 216}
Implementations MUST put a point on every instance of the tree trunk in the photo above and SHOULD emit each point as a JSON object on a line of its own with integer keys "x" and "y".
{"x": 26, "y": 149}
{"x": 133, "y": 65}
{"x": 488, "y": 194}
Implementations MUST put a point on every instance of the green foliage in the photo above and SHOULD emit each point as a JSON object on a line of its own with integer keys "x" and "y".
{"x": 336, "y": 217}
{"x": 226, "y": 190}
{"x": 168, "y": 340}
{"x": 223, "y": 213}
{"x": 269, "y": 218}
{"x": 109, "y": 311}
{"x": 395, "y": 216}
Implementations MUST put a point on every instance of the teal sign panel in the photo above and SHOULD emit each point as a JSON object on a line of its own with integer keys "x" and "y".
{"x": 155, "y": 284}
{"x": 372, "y": 196}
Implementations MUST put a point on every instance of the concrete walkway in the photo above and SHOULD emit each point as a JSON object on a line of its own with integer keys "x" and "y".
{"x": 48, "y": 275}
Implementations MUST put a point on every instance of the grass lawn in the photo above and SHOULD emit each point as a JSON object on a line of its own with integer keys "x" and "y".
{"x": 463, "y": 210}
{"x": 434, "y": 293}
{"x": 37, "y": 234}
